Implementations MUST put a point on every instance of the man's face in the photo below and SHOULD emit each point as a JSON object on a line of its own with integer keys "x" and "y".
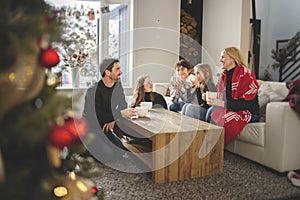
{"x": 115, "y": 72}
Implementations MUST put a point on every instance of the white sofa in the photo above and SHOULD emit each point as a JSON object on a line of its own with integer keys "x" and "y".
{"x": 275, "y": 142}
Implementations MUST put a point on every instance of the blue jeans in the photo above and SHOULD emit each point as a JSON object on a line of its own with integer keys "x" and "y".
{"x": 208, "y": 113}
{"x": 176, "y": 106}
{"x": 194, "y": 110}
{"x": 254, "y": 118}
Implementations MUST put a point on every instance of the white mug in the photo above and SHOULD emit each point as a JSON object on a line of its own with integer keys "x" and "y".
{"x": 211, "y": 95}
{"x": 175, "y": 79}
{"x": 141, "y": 111}
{"x": 146, "y": 104}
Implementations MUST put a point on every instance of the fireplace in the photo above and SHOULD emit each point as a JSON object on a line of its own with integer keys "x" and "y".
{"x": 191, "y": 30}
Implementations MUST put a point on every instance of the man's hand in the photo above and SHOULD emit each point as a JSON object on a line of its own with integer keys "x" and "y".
{"x": 129, "y": 112}
{"x": 108, "y": 126}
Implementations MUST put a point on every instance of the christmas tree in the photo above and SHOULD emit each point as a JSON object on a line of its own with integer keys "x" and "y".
{"x": 39, "y": 136}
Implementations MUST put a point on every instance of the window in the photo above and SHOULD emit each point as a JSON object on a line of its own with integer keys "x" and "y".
{"x": 115, "y": 37}
{"x": 78, "y": 48}
{"x": 109, "y": 25}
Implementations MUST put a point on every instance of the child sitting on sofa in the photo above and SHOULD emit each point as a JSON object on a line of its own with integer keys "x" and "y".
{"x": 203, "y": 83}
{"x": 182, "y": 88}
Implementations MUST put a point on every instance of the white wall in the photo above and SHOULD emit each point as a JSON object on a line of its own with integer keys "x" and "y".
{"x": 155, "y": 38}
{"x": 280, "y": 20}
{"x": 156, "y": 34}
{"x": 225, "y": 23}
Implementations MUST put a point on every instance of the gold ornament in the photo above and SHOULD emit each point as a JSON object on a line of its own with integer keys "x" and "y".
{"x": 21, "y": 82}
{"x": 53, "y": 154}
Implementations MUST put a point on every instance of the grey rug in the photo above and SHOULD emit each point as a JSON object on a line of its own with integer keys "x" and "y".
{"x": 241, "y": 179}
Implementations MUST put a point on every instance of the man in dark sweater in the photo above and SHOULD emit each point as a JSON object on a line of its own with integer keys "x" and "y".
{"x": 104, "y": 105}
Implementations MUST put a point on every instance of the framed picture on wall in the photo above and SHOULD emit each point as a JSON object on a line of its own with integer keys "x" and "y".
{"x": 281, "y": 49}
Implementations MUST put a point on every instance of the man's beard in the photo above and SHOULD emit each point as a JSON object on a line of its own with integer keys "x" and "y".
{"x": 116, "y": 79}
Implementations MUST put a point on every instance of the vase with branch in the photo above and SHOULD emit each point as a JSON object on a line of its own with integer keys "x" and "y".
{"x": 78, "y": 48}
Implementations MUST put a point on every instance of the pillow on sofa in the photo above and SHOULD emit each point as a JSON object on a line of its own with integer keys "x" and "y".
{"x": 270, "y": 91}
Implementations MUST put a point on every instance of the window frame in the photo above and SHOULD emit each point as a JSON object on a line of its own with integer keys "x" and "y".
{"x": 124, "y": 37}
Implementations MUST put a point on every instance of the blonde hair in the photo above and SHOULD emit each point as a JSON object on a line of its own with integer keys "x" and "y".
{"x": 207, "y": 72}
{"x": 139, "y": 91}
{"x": 235, "y": 54}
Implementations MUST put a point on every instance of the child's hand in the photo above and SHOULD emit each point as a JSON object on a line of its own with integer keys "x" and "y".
{"x": 204, "y": 96}
{"x": 176, "y": 85}
{"x": 196, "y": 83}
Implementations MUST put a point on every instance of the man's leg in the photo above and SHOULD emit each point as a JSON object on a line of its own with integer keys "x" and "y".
{"x": 115, "y": 139}
{"x": 101, "y": 148}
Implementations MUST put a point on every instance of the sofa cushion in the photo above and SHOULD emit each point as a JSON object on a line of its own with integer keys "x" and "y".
{"x": 253, "y": 133}
{"x": 161, "y": 88}
{"x": 270, "y": 91}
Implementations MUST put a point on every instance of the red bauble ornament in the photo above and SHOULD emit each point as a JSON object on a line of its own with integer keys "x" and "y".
{"x": 68, "y": 134}
{"x": 60, "y": 137}
{"x": 48, "y": 58}
{"x": 76, "y": 126}
{"x": 94, "y": 190}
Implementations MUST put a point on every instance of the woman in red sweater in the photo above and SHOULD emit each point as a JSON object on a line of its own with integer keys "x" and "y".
{"x": 237, "y": 100}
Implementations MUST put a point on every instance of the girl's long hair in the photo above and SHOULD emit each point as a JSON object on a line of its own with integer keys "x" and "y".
{"x": 139, "y": 91}
{"x": 207, "y": 72}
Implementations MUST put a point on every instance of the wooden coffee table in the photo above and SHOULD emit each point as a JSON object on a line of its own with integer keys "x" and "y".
{"x": 182, "y": 147}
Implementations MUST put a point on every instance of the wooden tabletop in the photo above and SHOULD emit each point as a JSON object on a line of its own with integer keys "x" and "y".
{"x": 162, "y": 121}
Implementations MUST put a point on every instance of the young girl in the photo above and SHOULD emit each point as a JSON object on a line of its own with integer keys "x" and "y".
{"x": 203, "y": 83}
{"x": 144, "y": 92}
{"x": 181, "y": 90}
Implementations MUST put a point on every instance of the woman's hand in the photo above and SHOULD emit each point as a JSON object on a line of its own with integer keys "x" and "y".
{"x": 215, "y": 102}
{"x": 204, "y": 96}
{"x": 129, "y": 112}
